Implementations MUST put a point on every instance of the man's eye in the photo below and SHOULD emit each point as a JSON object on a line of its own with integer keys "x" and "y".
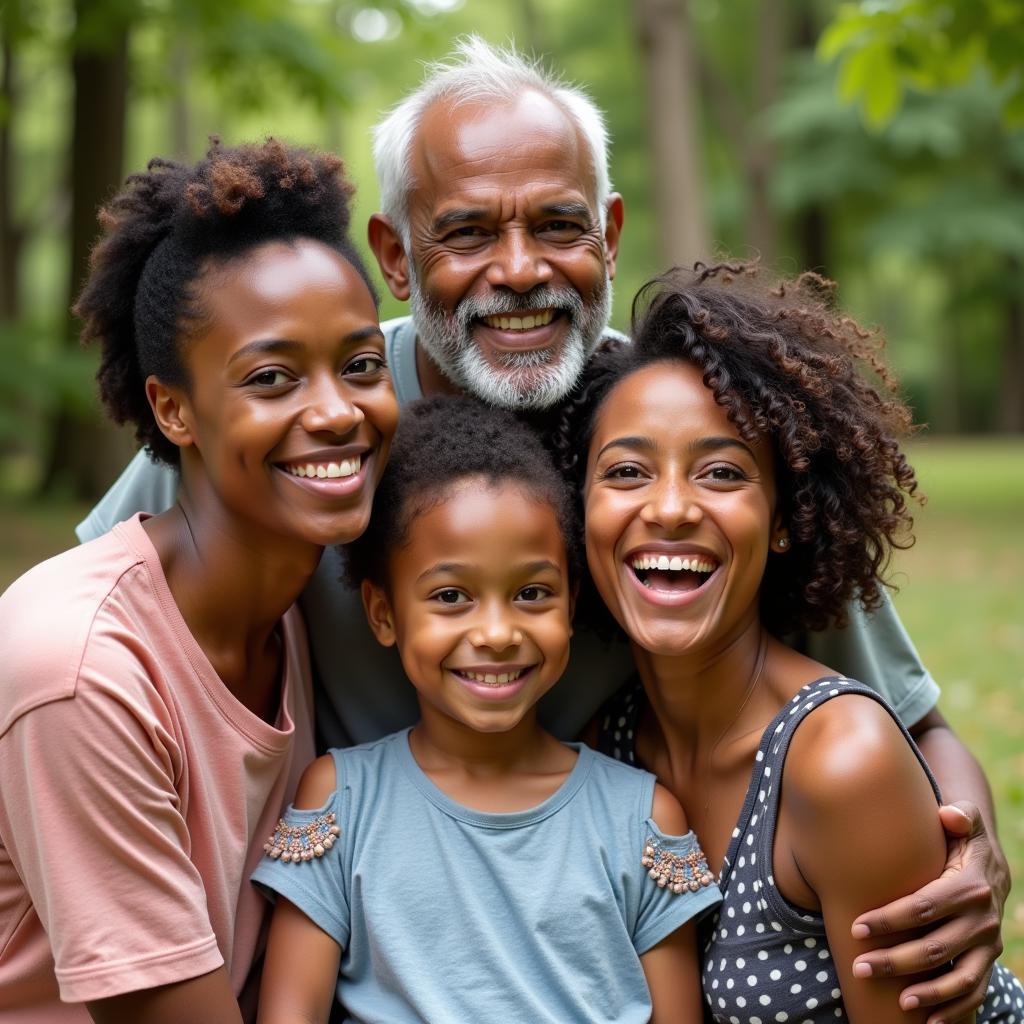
{"x": 269, "y": 378}
{"x": 562, "y": 228}
{"x": 449, "y": 595}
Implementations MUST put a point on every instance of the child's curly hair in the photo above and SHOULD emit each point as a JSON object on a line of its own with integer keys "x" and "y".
{"x": 787, "y": 368}
{"x": 166, "y": 228}
{"x": 440, "y": 442}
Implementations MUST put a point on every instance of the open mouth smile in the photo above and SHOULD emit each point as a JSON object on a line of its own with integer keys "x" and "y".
{"x": 671, "y": 577}
{"x": 324, "y": 470}
{"x": 328, "y": 477}
{"x": 494, "y": 685}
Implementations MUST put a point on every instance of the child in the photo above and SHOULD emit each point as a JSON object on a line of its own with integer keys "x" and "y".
{"x": 475, "y": 868}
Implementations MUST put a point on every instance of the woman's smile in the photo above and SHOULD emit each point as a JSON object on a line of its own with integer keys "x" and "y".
{"x": 679, "y": 511}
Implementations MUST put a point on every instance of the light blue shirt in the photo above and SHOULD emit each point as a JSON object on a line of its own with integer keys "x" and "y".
{"x": 447, "y": 914}
{"x": 361, "y": 691}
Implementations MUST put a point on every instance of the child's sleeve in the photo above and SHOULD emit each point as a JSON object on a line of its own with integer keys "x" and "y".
{"x": 305, "y": 862}
{"x": 678, "y": 885}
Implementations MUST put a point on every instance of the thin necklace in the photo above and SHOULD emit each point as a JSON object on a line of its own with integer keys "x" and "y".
{"x": 755, "y": 676}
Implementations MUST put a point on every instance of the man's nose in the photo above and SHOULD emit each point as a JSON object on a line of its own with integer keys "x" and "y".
{"x": 518, "y": 262}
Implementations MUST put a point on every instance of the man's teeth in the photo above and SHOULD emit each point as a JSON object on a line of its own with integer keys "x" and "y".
{"x": 520, "y": 323}
{"x": 673, "y": 563}
{"x": 495, "y": 679}
{"x": 326, "y": 470}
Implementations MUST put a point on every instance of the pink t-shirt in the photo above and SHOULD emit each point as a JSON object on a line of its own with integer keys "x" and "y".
{"x": 135, "y": 791}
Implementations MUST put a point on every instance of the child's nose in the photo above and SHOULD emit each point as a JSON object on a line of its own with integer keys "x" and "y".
{"x": 495, "y": 629}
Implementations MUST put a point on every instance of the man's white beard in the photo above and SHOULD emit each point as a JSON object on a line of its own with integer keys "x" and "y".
{"x": 534, "y": 379}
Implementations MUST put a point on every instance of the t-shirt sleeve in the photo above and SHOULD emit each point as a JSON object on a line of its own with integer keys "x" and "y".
{"x": 679, "y": 885}
{"x": 304, "y": 862}
{"x": 875, "y": 649}
{"x": 90, "y": 817}
{"x": 143, "y": 486}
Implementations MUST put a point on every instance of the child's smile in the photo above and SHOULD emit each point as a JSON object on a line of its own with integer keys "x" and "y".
{"x": 479, "y": 604}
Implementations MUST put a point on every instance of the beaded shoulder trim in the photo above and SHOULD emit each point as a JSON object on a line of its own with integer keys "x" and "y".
{"x": 294, "y": 843}
{"x": 679, "y": 873}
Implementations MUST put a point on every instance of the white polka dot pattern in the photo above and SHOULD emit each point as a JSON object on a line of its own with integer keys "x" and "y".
{"x": 766, "y": 960}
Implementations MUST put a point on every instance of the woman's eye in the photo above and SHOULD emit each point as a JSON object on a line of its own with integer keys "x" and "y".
{"x": 365, "y": 365}
{"x": 269, "y": 378}
{"x": 534, "y": 592}
{"x": 449, "y": 595}
{"x": 626, "y": 471}
{"x": 725, "y": 474}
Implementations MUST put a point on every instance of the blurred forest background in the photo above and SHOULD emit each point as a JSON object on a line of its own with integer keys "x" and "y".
{"x": 879, "y": 142}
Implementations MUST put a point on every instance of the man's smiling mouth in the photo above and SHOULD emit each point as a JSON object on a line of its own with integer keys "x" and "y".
{"x": 507, "y": 322}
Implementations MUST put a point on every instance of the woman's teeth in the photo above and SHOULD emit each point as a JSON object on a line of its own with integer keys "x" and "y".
{"x": 326, "y": 470}
{"x": 673, "y": 563}
{"x": 520, "y": 323}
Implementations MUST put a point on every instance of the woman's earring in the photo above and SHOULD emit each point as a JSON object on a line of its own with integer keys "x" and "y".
{"x": 782, "y": 543}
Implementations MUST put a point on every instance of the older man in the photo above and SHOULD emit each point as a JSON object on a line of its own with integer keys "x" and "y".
{"x": 500, "y": 228}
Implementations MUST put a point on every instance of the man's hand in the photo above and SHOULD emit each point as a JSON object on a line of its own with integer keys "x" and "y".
{"x": 963, "y": 910}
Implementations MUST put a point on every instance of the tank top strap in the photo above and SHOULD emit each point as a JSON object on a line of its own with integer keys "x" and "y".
{"x": 762, "y": 801}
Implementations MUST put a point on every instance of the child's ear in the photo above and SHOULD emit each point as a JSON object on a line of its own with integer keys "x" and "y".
{"x": 378, "y": 612}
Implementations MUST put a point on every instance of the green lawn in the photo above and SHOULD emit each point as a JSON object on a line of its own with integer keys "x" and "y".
{"x": 961, "y": 596}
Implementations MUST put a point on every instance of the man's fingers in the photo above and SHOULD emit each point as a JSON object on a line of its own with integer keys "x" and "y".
{"x": 962, "y": 819}
{"x": 957, "y": 993}
{"x": 947, "y": 896}
{"x": 926, "y": 953}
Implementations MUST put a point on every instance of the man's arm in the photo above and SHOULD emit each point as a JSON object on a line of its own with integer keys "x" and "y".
{"x": 144, "y": 486}
{"x": 964, "y": 905}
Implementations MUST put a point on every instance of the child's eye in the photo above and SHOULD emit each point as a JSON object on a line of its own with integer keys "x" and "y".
{"x": 449, "y": 595}
{"x": 534, "y": 592}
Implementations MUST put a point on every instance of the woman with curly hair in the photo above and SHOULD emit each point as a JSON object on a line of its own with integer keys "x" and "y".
{"x": 741, "y": 478}
{"x": 156, "y": 708}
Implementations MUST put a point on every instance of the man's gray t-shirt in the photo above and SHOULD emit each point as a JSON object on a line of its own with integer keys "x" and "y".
{"x": 361, "y": 691}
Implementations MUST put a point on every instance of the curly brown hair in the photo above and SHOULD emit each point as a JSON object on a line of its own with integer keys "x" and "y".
{"x": 166, "y": 229}
{"x": 790, "y": 369}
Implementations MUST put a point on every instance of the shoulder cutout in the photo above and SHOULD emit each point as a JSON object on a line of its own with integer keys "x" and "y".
{"x": 667, "y": 812}
{"x": 318, "y": 782}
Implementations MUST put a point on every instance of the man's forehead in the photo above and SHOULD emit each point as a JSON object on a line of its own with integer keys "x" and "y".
{"x": 527, "y": 141}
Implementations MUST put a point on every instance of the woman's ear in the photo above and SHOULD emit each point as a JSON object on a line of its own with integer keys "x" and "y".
{"x": 780, "y": 538}
{"x": 378, "y": 613}
{"x": 171, "y": 410}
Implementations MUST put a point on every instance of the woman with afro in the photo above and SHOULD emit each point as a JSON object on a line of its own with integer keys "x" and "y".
{"x": 155, "y": 708}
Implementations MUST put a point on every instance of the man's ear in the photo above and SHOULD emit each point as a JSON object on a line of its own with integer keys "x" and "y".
{"x": 172, "y": 411}
{"x": 614, "y": 214}
{"x": 391, "y": 256}
{"x": 378, "y": 613}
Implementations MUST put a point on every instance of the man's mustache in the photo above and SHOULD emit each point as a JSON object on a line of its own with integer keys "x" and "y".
{"x": 565, "y": 300}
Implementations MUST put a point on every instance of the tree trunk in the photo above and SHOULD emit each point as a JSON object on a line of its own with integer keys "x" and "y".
{"x": 86, "y": 455}
{"x": 812, "y": 224}
{"x": 1010, "y": 418}
{"x": 11, "y": 234}
{"x": 665, "y": 40}
{"x": 760, "y": 152}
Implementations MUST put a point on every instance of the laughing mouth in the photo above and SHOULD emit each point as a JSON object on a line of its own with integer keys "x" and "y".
{"x": 672, "y": 573}
{"x": 324, "y": 470}
{"x": 505, "y": 322}
{"x": 491, "y": 678}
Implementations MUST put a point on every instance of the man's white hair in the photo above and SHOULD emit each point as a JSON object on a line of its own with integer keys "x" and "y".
{"x": 474, "y": 72}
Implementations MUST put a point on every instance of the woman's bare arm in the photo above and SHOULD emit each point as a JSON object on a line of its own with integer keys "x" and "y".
{"x": 858, "y": 817}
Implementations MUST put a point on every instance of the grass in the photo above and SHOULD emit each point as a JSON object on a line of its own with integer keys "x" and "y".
{"x": 961, "y": 598}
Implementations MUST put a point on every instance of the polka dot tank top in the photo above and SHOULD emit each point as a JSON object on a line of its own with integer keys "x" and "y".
{"x": 764, "y": 959}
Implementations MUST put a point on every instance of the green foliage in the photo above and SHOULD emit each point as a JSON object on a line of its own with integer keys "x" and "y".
{"x": 885, "y": 45}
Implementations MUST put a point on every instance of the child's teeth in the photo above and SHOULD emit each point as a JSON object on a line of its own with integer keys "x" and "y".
{"x": 677, "y": 563}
